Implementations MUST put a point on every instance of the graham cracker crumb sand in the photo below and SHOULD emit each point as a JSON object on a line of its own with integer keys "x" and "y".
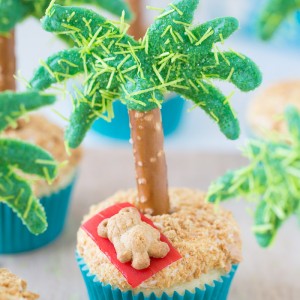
{"x": 41, "y": 132}
{"x": 14, "y": 288}
{"x": 266, "y": 111}
{"x": 207, "y": 238}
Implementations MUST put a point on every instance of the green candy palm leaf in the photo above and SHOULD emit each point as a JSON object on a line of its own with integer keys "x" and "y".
{"x": 15, "y": 11}
{"x": 173, "y": 56}
{"x": 271, "y": 180}
{"x": 273, "y": 15}
{"x": 19, "y": 159}
{"x": 14, "y": 105}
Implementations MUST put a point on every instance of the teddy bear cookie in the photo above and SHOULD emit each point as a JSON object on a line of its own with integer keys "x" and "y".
{"x": 133, "y": 239}
{"x": 131, "y": 242}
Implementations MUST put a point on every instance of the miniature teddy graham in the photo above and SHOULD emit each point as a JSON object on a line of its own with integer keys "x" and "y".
{"x": 133, "y": 239}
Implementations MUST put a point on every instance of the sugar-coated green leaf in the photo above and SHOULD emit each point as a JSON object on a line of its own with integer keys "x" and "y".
{"x": 73, "y": 22}
{"x": 58, "y": 67}
{"x": 266, "y": 224}
{"x": 271, "y": 180}
{"x": 16, "y": 159}
{"x": 172, "y": 21}
{"x": 28, "y": 158}
{"x": 80, "y": 123}
{"x": 17, "y": 194}
{"x": 84, "y": 26}
{"x": 222, "y": 189}
{"x": 235, "y": 68}
{"x": 15, "y": 105}
{"x": 214, "y": 103}
{"x": 15, "y": 11}
{"x": 237, "y": 183}
{"x": 273, "y": 15}
{"x": 216, "y": 30}
{"x": 16, "y": 155}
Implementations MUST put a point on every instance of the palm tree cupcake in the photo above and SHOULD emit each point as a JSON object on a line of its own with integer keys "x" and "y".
{"x": 271, "y": 181}
{"x": 167, "y": 243}
{"x": 22, "y": 215}
{"x": 274, "y": 14}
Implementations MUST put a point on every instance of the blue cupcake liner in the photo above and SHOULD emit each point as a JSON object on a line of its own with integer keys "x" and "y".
{"x": 98, "y": 291}
{"x": 16, "y": 238}
{"x": 118, "y": 128}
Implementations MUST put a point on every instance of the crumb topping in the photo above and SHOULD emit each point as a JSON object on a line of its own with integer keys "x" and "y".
{"x": 41, "y": 132}
{"x": 207, "y": 238}
{"x": 267, "y": 109}
{"x": 14, "y": 288}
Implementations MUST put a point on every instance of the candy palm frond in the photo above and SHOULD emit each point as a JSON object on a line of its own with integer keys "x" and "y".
{"x": 17, "y": 194}
{"x": 173, "y": 56}
{"x": 273, "y": 15}
{"x": 271, "y": 180}
{"x": 15, "y": 11}
{"x": 15, "y": 105}
{"x": 27, "y": 158}
{"x": 17, "y": 158}
{"x": 81, "y": 120}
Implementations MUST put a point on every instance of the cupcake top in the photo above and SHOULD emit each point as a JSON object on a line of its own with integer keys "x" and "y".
{"x": 267, "y": 109}
{"x": 14, "y": 288}
{"x": 41, "y": 132}
{"x": 207, "y": 238}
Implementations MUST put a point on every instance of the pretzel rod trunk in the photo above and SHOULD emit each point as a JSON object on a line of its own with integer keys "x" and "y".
{"x": 150, "y": 162}
{"x": 137, "y": 28}
{"x": 7, "y": 62}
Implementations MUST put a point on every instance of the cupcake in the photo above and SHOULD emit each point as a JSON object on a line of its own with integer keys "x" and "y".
{"x": 207, "y": 239}
{"x": 14, "y": 288}
{"x": 155, "y": 242}
{"x": 266, "y": 111}
{"x": 55, "y": 198}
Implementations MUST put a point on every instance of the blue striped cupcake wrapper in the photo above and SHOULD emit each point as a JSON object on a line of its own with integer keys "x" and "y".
{"x": 98, "y": 291}
{"x": 15, "y": 237}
